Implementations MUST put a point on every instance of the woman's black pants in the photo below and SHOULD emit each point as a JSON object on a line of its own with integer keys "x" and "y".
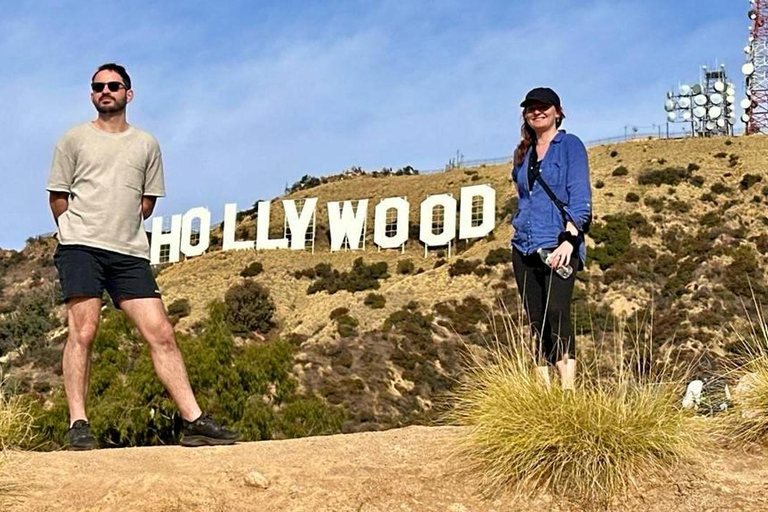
{"x": 547, "y": 300}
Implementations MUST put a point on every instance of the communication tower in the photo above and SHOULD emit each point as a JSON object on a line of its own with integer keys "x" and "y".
{"x": 755, "y": 70}
{"x": 709, "y": 105}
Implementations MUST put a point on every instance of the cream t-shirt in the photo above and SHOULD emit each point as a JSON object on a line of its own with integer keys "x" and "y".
{"x": 106, "y": 176}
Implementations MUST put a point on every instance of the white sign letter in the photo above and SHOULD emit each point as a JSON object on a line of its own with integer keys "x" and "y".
{"x": 159, "y": 239}
{"x": 449, "y": 220}
{"x": 298, "y": 224}
{"x": 380, "y": 237}
{"x": 230, "y": 222}
{"x": 468, "y": 213}
{"x": 262, "y": 230}
{"x": 346, "y": 223}
{"x": 204, "y": 241}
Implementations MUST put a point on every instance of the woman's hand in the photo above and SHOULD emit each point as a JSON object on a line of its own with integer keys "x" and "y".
{"x": 561, "y": 256}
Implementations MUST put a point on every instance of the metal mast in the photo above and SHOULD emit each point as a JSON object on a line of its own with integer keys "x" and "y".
{"x": 756, "y": 70}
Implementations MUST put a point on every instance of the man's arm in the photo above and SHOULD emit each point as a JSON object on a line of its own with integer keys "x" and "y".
{"x": 59, "y": 202}
{"x": 148, "y": 205}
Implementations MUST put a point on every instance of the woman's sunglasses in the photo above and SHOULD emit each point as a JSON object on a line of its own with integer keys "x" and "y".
{"x": 112, "y": 86}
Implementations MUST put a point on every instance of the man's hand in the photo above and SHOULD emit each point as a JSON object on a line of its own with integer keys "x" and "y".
{"x": 59, "y": 202}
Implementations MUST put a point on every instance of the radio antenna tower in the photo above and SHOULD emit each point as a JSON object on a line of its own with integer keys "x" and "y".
{"x": 756, "y": 70}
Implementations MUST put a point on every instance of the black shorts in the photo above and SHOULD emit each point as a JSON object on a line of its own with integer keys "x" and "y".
{"x": 87, "y": 271}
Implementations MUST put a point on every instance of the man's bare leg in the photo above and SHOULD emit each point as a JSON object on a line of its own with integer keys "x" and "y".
{"x": 148, "y": 314}
{"x": 83, "y": 322}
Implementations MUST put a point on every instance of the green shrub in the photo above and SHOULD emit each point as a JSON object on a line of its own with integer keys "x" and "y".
{"x": 405, "y": 267}
{"x": 599, "y": 184}
{"x": 697, "y": 181}
{"x": 338, "y": 312}
{"x": 748, "y": 180}
{"x": 620, "y": 171}
{"x": 249, "y": 308}
{"x": 359, "y": 278}
{"x": 693, "y": 167}
{"x": 28, "y": 324}
{"x": 721, "y": 154}
{"x": 306, "y": 182}
{"x": 375, "y": 301}
{"x": 346, "y": 325}
{"x": 252, "y": 270}
{"x": 614, "y": 153}
{"x": 463, "y": 267}
{"x": 500, "y": 256}
{"x": 632, "y": 197}
{"x": 719, "y": 188}
{"x": 672, "y": 176}
{"x": 439, "y": 263}
{"x": 179, "y": 308}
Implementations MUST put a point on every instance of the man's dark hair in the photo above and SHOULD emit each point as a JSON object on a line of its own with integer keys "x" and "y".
{"x": 117, "y": 68}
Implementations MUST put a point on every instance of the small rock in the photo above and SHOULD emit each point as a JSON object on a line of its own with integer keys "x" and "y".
{"x": 256, "y": 479}
{"x": 457, "y": 507}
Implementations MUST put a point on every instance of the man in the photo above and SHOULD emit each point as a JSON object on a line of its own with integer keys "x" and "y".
{"x": 105, "y": 179}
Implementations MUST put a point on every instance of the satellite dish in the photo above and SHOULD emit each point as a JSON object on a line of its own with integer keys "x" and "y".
{"x": 700, "y": 99}
{"x": 716, "y": 98}
{"x": 671, "y": 116}
{"x": 748, "y": 49}
{"x": 732, "y": 120}
{"x": 669, "y": 105}
{"x": 684, "y": 102}
{"x": 745, "y": 117}
{"x": 748, "y": 68}
{"x": 730, "y": 99}
{"x": 721, "y": 123}
{"x": 696, "y": 89}
{"x": 719, "y": 86}
{"x": 746, "y": 103}
{"x": 669, "y": 94}
{"x": 715, "y": 111}
{"x": 685, "y": 90}
{"x": 687, "y": 115}
{"x": 710, "y": 125}
{"x": 730, "y": 90}
{"x": 699, "y": 111}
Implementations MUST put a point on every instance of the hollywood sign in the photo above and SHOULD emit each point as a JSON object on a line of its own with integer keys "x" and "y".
{"x": 347, "y": 224}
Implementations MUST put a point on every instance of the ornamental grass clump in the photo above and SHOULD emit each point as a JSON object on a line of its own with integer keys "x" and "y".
{"x": 15, "y": 419}
{"x": 586, "y": 446}
{"x": 748, "y": 419}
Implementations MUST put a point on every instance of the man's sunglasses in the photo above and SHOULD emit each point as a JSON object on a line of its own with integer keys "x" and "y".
{"x": 112, "y": 86}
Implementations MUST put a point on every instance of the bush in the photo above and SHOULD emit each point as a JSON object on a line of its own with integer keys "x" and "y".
{"x": 620, "y": 171}
{"x": 599, "y": 184}
{"x": 614, "y": 153}
{"x": 632, "y": 197}
{"x": 588, "y": 445}
{"x": 672, "y": 176}
{"x": 252, "y": 270}
{"x": 179, "y": 308}
{"x": 359, "y": 278}
{"x": 748, "y": 180}
{"x": 405, "y": 267}
{"x": 463, "y": 267}
{"x": 16, "y": 420}
{"x": 306, "y": 182}
{"x": 721, "y": 154}
{"x": 375, "y": 301}
{"x": 249, "y": 308}
{"x": 346, "y": 325}
{"x": 500, "y": 256}
{"x": 28, "y": 324}
{"x": 719, "y": 188}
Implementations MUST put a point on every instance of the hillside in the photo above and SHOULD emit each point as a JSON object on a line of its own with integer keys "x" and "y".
{"x": 679, "y": 234}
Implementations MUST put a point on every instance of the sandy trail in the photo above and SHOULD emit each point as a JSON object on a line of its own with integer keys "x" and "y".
{"x": 398, "y": 470}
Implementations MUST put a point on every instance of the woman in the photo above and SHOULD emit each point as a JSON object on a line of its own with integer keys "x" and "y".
{"x": 549, "y": 238}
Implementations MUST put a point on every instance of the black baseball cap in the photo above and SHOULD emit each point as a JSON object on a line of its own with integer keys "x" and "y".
{"x": 543, "y": 95}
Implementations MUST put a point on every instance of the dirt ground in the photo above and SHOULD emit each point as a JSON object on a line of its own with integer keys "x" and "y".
{"x": 398, "y": 470}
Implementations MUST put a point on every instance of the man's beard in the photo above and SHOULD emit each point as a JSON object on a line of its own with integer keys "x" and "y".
{"x": 113, "y": 108}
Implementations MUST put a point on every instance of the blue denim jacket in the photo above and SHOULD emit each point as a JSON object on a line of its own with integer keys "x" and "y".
{"x": 538, "y": 221}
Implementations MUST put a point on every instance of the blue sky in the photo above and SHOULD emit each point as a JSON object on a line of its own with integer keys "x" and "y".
{"x": 247, "y": 96}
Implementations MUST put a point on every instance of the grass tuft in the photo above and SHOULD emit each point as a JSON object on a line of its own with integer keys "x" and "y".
{"x": 587, "y": 446}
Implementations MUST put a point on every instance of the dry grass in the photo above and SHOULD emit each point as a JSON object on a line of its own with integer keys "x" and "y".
{"x": 748, "y": 420}
{"x": 587, "y": 446}
{"x": 16, "y": 423}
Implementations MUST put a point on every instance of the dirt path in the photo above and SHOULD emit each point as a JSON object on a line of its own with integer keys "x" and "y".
{"x": 398, "y": 470}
